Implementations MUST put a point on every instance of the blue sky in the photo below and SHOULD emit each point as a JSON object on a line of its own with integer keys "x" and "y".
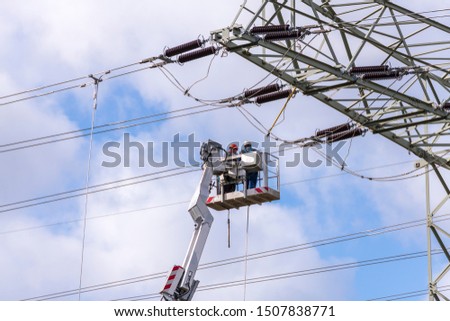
{"x": 130, "y": 232}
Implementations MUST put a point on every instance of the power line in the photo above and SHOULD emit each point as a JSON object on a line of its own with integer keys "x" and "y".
{"x": 343, "y": 167}
{"x": 391, "y": 178}
{"x": 345, "y": 173}
{"x": 97, "y": 74}
{"x": 254, "y": 256}
{"x": 94, "y": 217}
{"x": 323, "y": 242}
{"x": 330, "y": 268}
{"x": 300, "y": 273}
{"x": 89, "y": 187}
{"x": 160, "y": 66}
{"x": 150, "y": 174}
{"x": 395, "y": 297}
{"x": 88, "y": 173}
{"x": 102, "y": 126}
{"x": 306, "y": 142}
{"x": 59, "y": 196}
{"x": 82, "y": 85}
{"x": 98, "y": 287}
{"x": 411, "y": 294}
{"x": 45, "y": 199}
{"x": 218, "y": 104}
{"x": 165, "y": 60}
{"x": 106, "y": 130}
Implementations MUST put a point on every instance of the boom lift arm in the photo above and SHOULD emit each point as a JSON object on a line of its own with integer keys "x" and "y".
{"x": 180, "y": 285}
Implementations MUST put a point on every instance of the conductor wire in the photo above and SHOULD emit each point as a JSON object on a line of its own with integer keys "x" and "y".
{"x": 281, "y": 111}
{"x": 246, "y": 253}
{"x": 88, "y": 171}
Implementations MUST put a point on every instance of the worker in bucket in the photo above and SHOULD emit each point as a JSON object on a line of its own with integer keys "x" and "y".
{"x": 229, "y": 185}
{"x": 252, "y": 176}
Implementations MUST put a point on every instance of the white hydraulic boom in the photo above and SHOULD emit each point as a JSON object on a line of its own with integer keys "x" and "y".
{"x": 180, "y": 285}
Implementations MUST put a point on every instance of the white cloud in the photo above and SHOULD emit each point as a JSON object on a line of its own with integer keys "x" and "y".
{"x": 49, "y": 42}
{"x": 38, "y": 262}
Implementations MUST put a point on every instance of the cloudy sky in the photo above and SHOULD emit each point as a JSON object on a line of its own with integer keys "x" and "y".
{"x": 322, "y": 241}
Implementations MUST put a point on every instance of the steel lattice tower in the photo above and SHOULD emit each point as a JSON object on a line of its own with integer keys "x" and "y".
{"x": 380, "y": 64}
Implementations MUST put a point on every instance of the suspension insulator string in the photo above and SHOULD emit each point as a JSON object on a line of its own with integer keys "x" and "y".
{"x": 272, "y": 96}
{"x": 267, "y": 29}
{"x": 200, "y": 53}
{"x": 185, "y": 47}
{"x": 261, "y": 91}
{"x": 368, "y": 69}
{"x": 345, "y": 134}
{"x": 334, "y": 130}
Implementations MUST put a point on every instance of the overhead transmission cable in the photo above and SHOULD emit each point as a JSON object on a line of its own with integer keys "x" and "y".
{"x": 246, "y": 252}
{"x": 88, "y": 173}
{"x": 395, "y": 297}
{"x": 75, "y": 221}
{"x": 411, "y": 294}
{"x": 340, "y": 134}
{"x": 94, "y": 189}
{"x": 170, "y": 204}
{"x": 181, "y": 51}
{"x": 166, "y": 60}
{"x": 256, "y": 256}
{"x": 300, "y": 273}
{"x": 331, "y": 268}
{"x": 97, "y": 287}
{"x": 54, "y": 137}
{"x": 262, "y": 91}
{"x": 43, "y": 140}
{"x": 239, "y": 99}
{"x": 391, "y": 178}
{"x": 97, "y": 74}
{"x": 324, "y": 242}
{"x": 219, "y": 103}
{"x": 81, "y": 85}
{"x": 401, "y": 176}
{"x": 100, "y": 126}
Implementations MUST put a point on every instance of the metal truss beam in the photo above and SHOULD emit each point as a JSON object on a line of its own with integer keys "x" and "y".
{"x": 377, "y": 125}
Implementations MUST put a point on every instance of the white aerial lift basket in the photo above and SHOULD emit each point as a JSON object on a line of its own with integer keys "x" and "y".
{"x": 237, "y": 166}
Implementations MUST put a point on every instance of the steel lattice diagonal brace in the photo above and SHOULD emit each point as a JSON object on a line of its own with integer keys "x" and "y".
{"x": 438, "y": 237}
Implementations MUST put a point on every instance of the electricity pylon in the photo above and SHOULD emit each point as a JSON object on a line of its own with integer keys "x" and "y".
{"x": 380, "y": 64}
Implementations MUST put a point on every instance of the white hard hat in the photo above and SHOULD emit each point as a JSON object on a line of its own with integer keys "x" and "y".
{"x": 247, "y": 142}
